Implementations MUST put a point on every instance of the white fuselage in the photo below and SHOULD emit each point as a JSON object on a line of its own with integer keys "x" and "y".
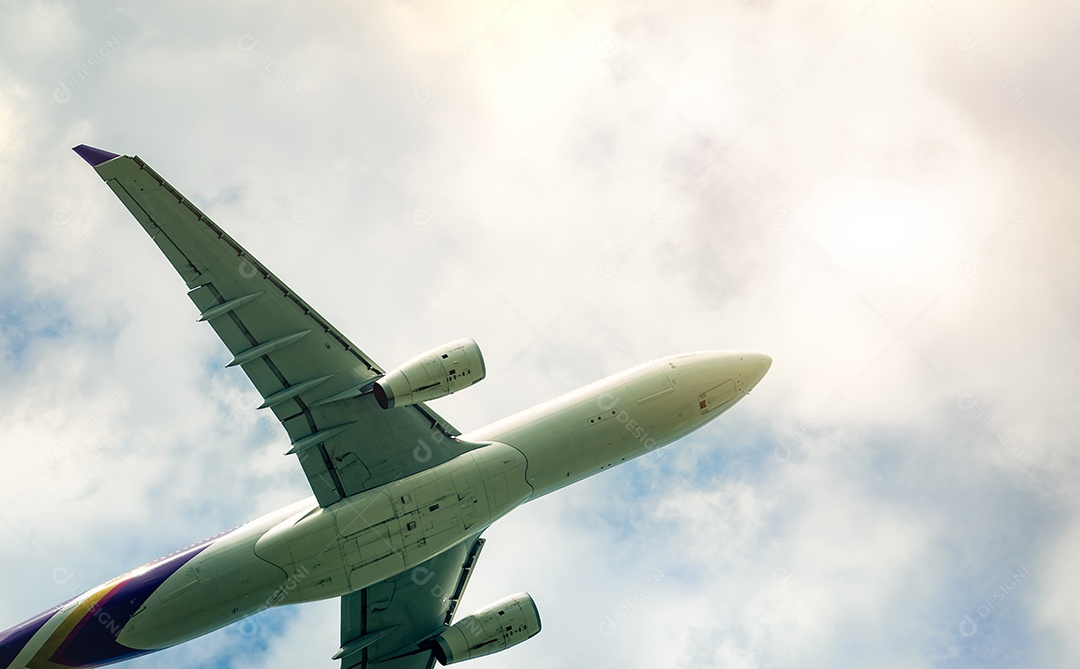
{"x": 305, "y": 552}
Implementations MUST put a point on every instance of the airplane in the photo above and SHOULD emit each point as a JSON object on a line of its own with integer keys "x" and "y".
{"x": 400, "y": 497}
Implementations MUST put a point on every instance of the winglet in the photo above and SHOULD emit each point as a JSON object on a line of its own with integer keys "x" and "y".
{"x": 93, "y": 156}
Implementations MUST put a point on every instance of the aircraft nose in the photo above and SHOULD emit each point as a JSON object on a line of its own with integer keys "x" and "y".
{"x": 752, "y": 368}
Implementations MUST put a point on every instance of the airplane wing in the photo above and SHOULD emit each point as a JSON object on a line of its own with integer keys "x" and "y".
{"x": 386, "y": 625}
{"x": 309, "y": 374}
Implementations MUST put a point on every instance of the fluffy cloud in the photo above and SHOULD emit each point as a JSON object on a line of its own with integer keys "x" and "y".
{"x": 879, "y": 196}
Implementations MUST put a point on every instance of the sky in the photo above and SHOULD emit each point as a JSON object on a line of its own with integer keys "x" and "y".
{"x": 879, "y": 194}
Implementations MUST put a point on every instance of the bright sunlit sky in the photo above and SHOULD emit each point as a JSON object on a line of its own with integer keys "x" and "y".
{"x": 879, "y": 194}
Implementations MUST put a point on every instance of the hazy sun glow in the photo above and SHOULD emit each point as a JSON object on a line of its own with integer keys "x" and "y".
{"x": 882, "y": 235}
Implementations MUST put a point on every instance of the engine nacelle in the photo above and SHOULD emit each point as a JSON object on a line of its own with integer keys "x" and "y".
{"x": 502, "y": 624}
{"x": 436, "y": 373}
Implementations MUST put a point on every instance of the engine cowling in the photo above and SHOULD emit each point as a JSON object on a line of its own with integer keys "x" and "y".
{"x": 430, "y": 375}
{"x": 502, "y": 624}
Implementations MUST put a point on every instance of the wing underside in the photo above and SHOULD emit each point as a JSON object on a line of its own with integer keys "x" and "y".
{"x": 389, "y": 625}
{"x": 309, "y": 374}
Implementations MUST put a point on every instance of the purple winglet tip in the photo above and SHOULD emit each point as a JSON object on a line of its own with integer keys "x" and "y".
{"x": 94, "y": 156}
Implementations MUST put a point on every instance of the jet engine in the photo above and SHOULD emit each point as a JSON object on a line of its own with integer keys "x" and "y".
{"x": 502, "y": 624}
{"x": 436, "y": 373}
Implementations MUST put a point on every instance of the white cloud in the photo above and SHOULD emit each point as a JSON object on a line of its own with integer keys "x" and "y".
{"x": 880, "y": 196}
